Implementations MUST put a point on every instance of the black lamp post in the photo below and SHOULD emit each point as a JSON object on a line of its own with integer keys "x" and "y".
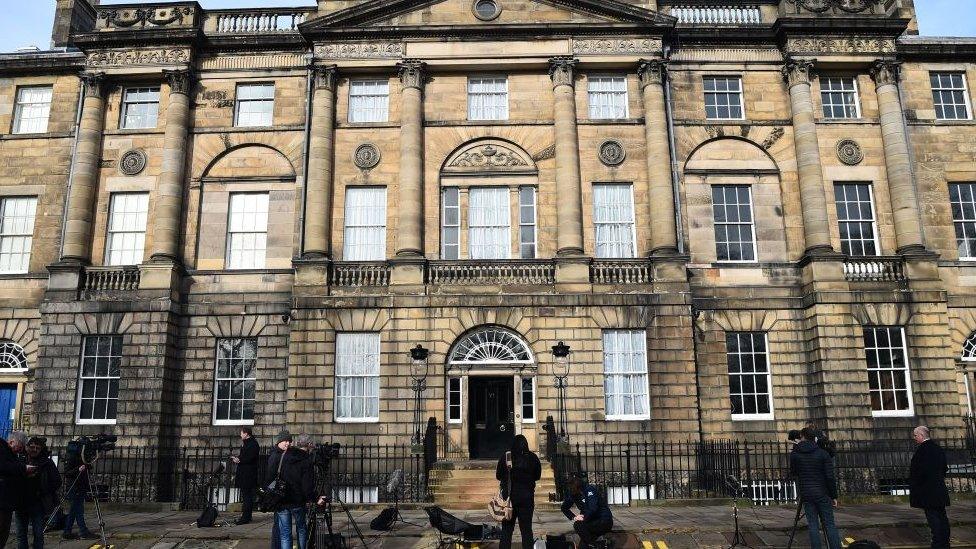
{"x": 418, "y": 372}
{"x": 561, "y": 354}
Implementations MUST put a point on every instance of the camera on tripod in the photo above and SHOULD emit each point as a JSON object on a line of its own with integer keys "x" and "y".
{"x": 87, "y": 448}
{"x": 325, "y": 453}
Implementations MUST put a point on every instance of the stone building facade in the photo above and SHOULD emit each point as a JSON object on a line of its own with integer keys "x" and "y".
{"x": 738, "y": 217}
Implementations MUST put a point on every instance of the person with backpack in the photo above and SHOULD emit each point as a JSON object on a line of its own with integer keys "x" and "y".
{"x": 518, "y": 471}
{"x": 293, "y": 469}
{"x": 40, "y": 494}
{"x": 594, "y": 518}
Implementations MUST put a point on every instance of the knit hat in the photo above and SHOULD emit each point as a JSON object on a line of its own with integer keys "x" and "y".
{"x": 283, "y": 436}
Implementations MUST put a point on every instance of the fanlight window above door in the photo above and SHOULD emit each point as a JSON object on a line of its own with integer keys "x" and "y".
{"x": 491, "y": 346}
{"x": 12, "y": 357}
{"x": 969, "y": 349}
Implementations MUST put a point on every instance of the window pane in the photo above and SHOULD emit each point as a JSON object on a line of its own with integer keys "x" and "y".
{"x": 838, "y": 96}
{"x": 235, "y": 378}
{"x": 140, "y": 108}
{"x": 99, "y": 373}
{"x": 487, "y": 98}
{"x": 625, "y": 374}
{"x": 128, "y": 214}
{"x": 855, "y": 216}
{"x": 369, "y": 100}
{"x": 613, "y": 220}
{"x": 723, "y": 97}
{"x": 247, "y": 231}
{"x": 255, "y": 105}
{"x": 489, "y": 223}
{"x": 450, "y": 223}
{"x": 732, "y": 214}
{"x": 357, "y": 363}
{"x": 527, "y": 213}
{"x": 32, "y": 109}
{"x": 608, "y": 97}
{"x": 962, "y": 196}
{"x": 16, "y": 233}
{"x": 364, "y": 238}
{"x": 888, "y": 372}
{"x": 950, "y": 96}
{"x": 750, "y": 381}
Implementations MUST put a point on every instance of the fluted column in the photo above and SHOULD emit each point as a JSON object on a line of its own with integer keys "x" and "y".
{"x": 664, "y": 236}
{"x": 168, "y": 210}
{"x": 410, "y": 203}
{"x": 904, "y": 205}
{"x": 80, "y": 207}
{"x": 813, "y": 201}
{"x": 569, "y": 206}
{"x": 321, "y": 162}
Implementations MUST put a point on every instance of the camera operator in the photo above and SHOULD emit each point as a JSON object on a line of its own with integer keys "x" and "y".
{"x": 77, "y": 480}
{"x": 13, "y": 475}
{"x": 293, "y": 466}
{"x": 40, "y": 494}
{"x": 594, "y": 518}
{"x": 246, "y": 476}
{"x": 813, "y": 469}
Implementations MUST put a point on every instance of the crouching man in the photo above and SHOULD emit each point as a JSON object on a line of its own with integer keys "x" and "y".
{"x": 594, "y": 518}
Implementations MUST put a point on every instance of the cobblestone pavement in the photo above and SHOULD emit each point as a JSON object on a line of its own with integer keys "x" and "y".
{"x": 672, "y": 527}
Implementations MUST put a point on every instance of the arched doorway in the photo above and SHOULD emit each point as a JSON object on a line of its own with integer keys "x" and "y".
{"x": 491, "y": 390}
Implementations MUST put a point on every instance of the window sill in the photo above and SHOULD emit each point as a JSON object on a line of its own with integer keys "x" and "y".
{"x": 893, "y": 413}
{"x": 50, "y": 135}
{"x": 245, "y": 129}
{"x": 752, "y": 417}
{"x": 135, "y": 131}
{"x": 848, "y": 121}
{"x": 96, "y": 421}
{"x": 228, "y": 422}
{"x": 934, "y": 122}
{"x": 357, "y": 420}
{"x": 628, "y": 418}
{"x": 611, "y": 122}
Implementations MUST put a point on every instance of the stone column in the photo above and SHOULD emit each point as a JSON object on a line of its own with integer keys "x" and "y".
{"x": 81, "y": 196}
{"x": 168, "y": 210}
{"x": 569, "y": 205}
{"x": 321, "y": 162}
{"x": 410, "y": 196}
{"x": 664, "y": 236}
{"x": 908, "y": 233}
{"x": 816, "y": 231}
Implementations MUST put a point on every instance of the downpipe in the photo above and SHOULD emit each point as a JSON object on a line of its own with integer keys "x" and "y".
{"x": 675, "y": 182}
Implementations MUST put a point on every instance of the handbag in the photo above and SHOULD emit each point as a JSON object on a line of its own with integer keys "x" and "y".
{"x": 274, "y": 493}
{"x": 500, "y": 508}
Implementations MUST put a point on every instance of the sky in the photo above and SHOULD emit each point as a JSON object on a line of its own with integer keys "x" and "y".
{"x": 28, "y": 22}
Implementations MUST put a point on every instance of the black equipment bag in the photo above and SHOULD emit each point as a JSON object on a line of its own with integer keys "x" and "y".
{"x": 864, "y": 544}
{"x": 208, "y": 517}
{"x": 324, "y": 540}
{"x": 384, "y": 521}
{"x": 274, "y": 493}
{"x": 558, "y": 542}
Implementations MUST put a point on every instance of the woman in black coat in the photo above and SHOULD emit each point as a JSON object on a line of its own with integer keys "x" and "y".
{"x": 525, "y": 470}
{"x": 40, "y": 494}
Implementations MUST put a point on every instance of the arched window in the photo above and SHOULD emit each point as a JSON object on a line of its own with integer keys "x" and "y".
{"x": 491, "y": 345}
{"x": 12, "y": 357}
{"x": 969, "y": 349}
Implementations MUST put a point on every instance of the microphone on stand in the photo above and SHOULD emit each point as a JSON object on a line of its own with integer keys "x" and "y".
{"x": 396, "y": 481}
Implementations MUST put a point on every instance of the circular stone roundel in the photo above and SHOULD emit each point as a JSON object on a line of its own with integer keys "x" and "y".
{"x": 612, "y": 153}
{"x": 367, "y": 156}
{"x": 486, "y": 10}
{"x": 849, "y": 152}
{"x": 133, "y": 162}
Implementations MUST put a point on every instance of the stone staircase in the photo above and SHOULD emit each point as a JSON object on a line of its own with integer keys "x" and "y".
{"x": 469, "y": 485}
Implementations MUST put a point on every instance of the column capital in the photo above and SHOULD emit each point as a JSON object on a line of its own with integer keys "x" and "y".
{"x": 179, "y": 80}
{"x": 651, "y": 71}
{"x": 562, "y": 70}
{"x": 797, "y": 71}
{"x": 886, "y": 72}
{"x": 412, "y": 73}
{"x": 325, "y": 77}
{"x": 94, "y": 83}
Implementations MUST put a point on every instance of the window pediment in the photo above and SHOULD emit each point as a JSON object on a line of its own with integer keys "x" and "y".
{"x": 490, "y": 156}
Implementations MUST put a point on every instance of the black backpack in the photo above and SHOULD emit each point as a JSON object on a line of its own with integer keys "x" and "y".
{"x": 208, "y": 517}
{"x": 384, "y": 520}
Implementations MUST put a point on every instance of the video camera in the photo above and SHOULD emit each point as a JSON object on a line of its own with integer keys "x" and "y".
{"x": 325, "y": 453}
{"x": 87, "y": 448}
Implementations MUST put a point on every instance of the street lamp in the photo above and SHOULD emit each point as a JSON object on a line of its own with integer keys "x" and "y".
{"x": 560, "y": 354}
{"x": 418, "y": 372}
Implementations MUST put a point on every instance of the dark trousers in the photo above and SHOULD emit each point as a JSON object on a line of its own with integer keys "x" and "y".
{"x": 820, "y": 514}
{"x": 590, "y": 530}
{"x": 34, "y": 520}
{"x": 247, "y": 504}
{"x": 5, "y": 518}
{"x": 939, "y": 525}
{"x": 521, "y": 512}
{"x": 76, "y": 512}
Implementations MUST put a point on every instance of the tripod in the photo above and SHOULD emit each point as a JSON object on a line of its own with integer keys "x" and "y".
{"x": 796, "y": 523}
{"x": 398, "y": 517}
{"x": 327, "y": 516}
{"x": 738, "y": 539}
{"x": 89, "y": 469}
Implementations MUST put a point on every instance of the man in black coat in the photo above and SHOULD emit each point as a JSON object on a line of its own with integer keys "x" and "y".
{"x": 813, "y": 470}
{"x": 926, "y": 479}
{"x": 246, "y": 477}
{"x": 13, "y": 475}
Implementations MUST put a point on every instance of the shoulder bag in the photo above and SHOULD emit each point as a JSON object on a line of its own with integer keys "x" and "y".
{"x": 274, "y": 493}
{"x": 500, "y": 508}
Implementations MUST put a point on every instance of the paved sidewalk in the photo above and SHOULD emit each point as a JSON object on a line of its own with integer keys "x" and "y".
{"x": 661, "y": 527}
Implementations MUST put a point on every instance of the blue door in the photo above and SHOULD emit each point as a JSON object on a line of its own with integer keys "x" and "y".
{"x": 8, "y": 407}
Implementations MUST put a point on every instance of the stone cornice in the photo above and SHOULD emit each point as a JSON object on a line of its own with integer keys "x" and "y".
{"x": 41, "y": 62}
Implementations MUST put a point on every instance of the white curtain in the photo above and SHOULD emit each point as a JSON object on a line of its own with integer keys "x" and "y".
{"x": 357, "y": 387}
{"x": 608, "y": 97}
{"x": 33, "y": 109}
{"x": 369, "y": 100}
{"x": 487, "y": 98}
{"x": 625, "y": 373}
{"x": 613, "y": 218}
{"x": 16, "y": 233}
{"x": 364, "y": 238}
{"x": 489, "y": 221}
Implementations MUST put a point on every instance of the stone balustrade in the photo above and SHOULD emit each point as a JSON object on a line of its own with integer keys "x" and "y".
{"x": 468, "y": 273}
{"x": 620, "y": 271}
{"x": 356, "y": 275}
{"x": 98, "y": 280}
{"x": 719, "y": 14}
{"x": 874, "y": 269}
{"x": 254, "y": 21}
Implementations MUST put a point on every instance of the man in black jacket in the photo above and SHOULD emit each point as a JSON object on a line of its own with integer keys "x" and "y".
{"x": 13, "y": 474}
{"x": 40, "y": 494}
{"x": 294, "y": 467}
{"x": 594, "y": 518}
{"x": 246, "y": 477}
{"x": 926, "y": 480}
{"x": 813, "y": 470}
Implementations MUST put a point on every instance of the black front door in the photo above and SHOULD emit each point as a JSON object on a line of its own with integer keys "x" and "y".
{"x": 491, "y": 416}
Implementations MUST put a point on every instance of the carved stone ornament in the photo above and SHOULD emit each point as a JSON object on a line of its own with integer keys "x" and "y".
{"x": 612, "y": 153}
{"x": 644, "y": 46}
{"x": 412, "y": 73}
{"x": 95, "y": 84}
{"x": 125, "y": 18}
{"x": 326, "y": 77}
{"x": 371, "y": 50}
{"x": 797, "y": 71}
{"x": 133, "y": 162}
{"x": 838, "y": 44}
{"x": 845, "y": 6}
{"x": 773, "y": 137}
{"x": 651, "y": 71}
{"x": 886, "y": 72}
{"x": 490, "y": 156}
{"x": 180, "y": 81}
{"x": 165, "y": 56}
{"x": 562, "y": 70}
{"x": 849, "y": 152}
{"x": 367, "y": 156}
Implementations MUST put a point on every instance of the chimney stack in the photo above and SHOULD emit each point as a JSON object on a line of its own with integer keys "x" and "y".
{"x": 71, "y": 16}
